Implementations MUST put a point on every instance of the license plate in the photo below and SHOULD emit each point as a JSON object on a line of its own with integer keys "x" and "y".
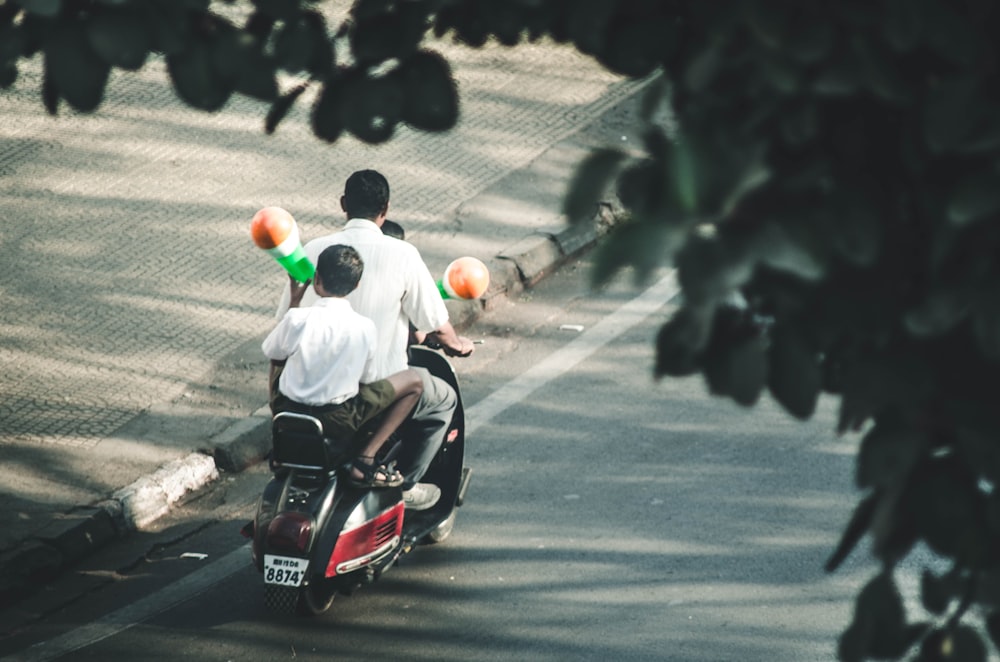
{"x": 284, "y": 570}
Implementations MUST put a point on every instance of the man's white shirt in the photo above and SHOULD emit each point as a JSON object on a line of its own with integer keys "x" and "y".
{"x": 396, "y": 288}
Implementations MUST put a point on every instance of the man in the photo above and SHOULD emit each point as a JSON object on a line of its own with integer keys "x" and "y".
{"x": 396, "y": 290}
{"x": 329, "y": 351}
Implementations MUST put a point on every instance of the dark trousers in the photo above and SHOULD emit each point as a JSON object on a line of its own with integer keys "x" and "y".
{"x": 426, "y": 430}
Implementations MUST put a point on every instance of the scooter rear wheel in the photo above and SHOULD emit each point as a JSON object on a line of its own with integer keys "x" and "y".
{"x": 314, "y": 600}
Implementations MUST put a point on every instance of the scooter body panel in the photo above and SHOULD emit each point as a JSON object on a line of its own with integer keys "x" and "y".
{"x": 350, "y": 535}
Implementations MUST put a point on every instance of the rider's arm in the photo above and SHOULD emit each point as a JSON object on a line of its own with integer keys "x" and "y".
{"x": 451, "y": 343}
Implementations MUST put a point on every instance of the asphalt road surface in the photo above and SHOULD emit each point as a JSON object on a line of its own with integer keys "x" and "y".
{"x": 609, "y": 517}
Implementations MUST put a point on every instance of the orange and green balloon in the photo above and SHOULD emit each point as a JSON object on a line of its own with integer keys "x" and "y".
{"x": 464, "y": 278}
{"x": 274, "y": 230}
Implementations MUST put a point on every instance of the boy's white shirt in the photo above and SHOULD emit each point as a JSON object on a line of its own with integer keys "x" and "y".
{"x": 329, "y": 349}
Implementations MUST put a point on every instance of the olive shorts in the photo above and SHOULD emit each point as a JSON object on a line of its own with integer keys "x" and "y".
{"x": 347, "y": 418}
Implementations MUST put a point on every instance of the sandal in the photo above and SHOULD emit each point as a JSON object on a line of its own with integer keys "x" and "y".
{"x": 373, "y": 475}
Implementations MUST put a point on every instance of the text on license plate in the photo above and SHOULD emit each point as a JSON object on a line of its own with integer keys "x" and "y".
{"x": 284, "y": 570}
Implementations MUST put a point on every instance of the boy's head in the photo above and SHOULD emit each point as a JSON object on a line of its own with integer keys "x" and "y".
{"x": 393, "y": 229}
{"x": 366, "y": 195}
{"x": 338, "y": 270}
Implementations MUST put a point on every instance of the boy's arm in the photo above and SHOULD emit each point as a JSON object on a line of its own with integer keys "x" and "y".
{"x": 296, "y": 291}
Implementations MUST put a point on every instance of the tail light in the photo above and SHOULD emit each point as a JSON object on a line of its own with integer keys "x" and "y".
{"x": 367, "y": 542}
{"x": 289, "y": 532}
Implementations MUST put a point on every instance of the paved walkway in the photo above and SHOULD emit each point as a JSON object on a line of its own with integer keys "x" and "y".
{"x": 132, "y": 302}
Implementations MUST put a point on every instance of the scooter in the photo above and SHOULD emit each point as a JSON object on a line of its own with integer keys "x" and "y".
{"x": 316, "y": 536}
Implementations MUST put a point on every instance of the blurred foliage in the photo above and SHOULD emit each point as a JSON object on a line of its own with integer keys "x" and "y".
{"x": 834, "y": 167}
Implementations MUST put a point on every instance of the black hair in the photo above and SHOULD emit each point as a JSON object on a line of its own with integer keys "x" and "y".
{"x": 393, "y": 229}
{"x": 366, "y": 195}
{"x": 339, "y": 269}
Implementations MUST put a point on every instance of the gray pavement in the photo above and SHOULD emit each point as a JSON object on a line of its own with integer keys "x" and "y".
{"x": 134, "y": 303}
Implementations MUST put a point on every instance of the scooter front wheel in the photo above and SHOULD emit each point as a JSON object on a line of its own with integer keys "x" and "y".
{"x": 441, "y": 532}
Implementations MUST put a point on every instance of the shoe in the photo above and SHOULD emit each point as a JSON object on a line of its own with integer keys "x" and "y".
{"x": 421, "y": 496}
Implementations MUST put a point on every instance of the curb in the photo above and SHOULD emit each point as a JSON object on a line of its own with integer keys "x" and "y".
{"x": 76, "y": 535}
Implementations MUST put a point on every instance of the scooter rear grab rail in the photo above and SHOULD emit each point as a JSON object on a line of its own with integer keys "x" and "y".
{"x": 298, "y": 443}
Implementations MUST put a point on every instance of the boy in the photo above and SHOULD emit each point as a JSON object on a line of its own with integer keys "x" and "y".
{"x": 328, "y": 352}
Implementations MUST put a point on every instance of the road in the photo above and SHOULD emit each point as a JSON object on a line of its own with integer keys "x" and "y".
{"x": 609, "y": 517}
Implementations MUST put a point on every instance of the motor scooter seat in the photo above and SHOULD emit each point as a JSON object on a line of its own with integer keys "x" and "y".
{"x": 298, "y": 442}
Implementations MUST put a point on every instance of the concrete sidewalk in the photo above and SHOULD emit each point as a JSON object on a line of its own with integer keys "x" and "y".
{"x": 134, "y": 303}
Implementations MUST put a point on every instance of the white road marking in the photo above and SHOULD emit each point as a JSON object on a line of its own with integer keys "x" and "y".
{"x": 511, "y": 393}
{"x": 588, "y": 342}
{"x": 141, "y": 610}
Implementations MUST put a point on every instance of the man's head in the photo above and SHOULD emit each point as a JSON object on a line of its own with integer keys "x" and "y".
{"x": 338, "y": 270}
{"x": 366, "y": 195}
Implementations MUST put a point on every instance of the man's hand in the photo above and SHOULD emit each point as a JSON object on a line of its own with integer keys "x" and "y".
{"x": 297, "y": 290}
{"x": 464, "y": 347}
{"x": 449, "y": 342}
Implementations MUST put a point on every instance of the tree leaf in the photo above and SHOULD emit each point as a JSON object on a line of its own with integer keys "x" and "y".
{"x": 375, "y": 109}
{"x": 889, "y": 451}
{"x": 381, "y": 38}
{"x": 976, "y": 198}
{"x": 654, "y": 97}
{"x": 168, "y": 26}
{"x": 8, "y": 75}
{"x": 586, "y": 22}
{"x": 230, "y": 51}
{"x": 120, "y": 38}
{"x": 947, "y": 109}
{"x": 904, "y": 23}
{"x": 77, "y": 72}
{"x": 993, "y": 627}
{"x": 294, "y": 42}
{"x": 636, "y": 243}
{"x": 810, "y": 42}
{"x": 770, "y": 27}
{"x": 738, "y": 370}
{"x": 283, "y": 10}
{"x": 839, "y": 78}
{"x": 936, "y": 593}
{"x": 279, "y": 109}
{"x": 880, "y": 608}
{"x": 635, "y": 48}
{"x": 853, "y": 229}
{"x": 680, "y": 341}
{"x": 949, "y": 510}
{"x": 193, "y": 75}
{"x": 12, "y": 42}
{"x": 986, "y": 323}
{"x": 880, "y": 71}
{"x": 46, "y": 8}
{"x": 776, "y": 248}
{"x": 589, "y": 183}
{"x": 856, "y": 528}
{"x": 429, "y": 92}
{"x": 794, "y": 373}
{"x": 937, "y": 314}
{"x": 966, "y": 645}
{"x": 327, "y": 113}
{"x": 643, "y": 187}
{"x": 50, "y": 94}
{"x": 709, "y": 269}
{"x": 505, "y": 20}
{"x": 258, "y": 76}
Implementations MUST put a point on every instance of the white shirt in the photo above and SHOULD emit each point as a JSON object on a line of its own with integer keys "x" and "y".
{"x": 330, "y": 350}
{"x": 396, "y": 288}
